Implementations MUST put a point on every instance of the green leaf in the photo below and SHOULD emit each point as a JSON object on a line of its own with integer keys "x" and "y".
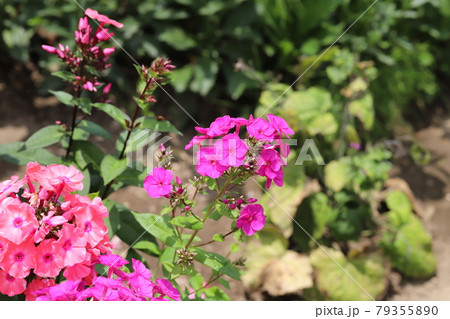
{"x": 167, "y": 260}
{"x": 218, "y": 237}
{"x": 397, "y": 201}
{"x": 128, "y": 229}
{"x": 189, "y": 222}
{"x": 182, "y": 270}
{"x": 216, "y": 262}
{"x": 337, "y": 174}
{"x": 368, "y": 270}
{"x": 313, "y": 215}
{"x": 224, "y": 282}
{"x": 114, "y": 112}
{"x": 93, "y": 129}
{"x": 363, "y": 109}
{"x": 350, "y": 222}
{"x": 46, "y": 136}
{"x": 155, "y": 124}
{"x": 10, "y": 148}
{"x": 84, "y": 104}
{"x": 409, "y": 248}
{"x": 63, "y": 97}
{"x": 65, "y": 75}
{"x": 177, "y": 38}
{"x": 196, "y": 282}
{"x": 215, "y": 294}
{"x": 160, "y": 227}
{"x": 324, "y": 124}
{"x": 42, "y": 156}
{"x": 87, "y": 153}
{"x": 205, "y": 73}
{"x": 111, "y": 167}
{"x": 180, "y": 78}
{"x": 148, "y": 246}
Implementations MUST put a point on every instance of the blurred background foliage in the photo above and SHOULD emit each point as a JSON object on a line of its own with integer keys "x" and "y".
{"x": 406, "y": 41}
{"x": 239, "y": 57}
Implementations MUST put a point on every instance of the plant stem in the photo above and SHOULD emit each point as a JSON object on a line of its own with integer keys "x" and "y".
{"x": 211, "y": 208}
{"x": 130, "y": 130}
{"x": 74, "y": 123}
{"x": 213, "y": 241}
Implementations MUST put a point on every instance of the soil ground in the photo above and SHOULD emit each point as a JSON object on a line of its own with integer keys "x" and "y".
{"x": 22, "y": 112}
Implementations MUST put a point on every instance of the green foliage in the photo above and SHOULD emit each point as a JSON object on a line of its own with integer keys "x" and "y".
{"x": 406, "y": 241}
{"x": 366, "y": 270}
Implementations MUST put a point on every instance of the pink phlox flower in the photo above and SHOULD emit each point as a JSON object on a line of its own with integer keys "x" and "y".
{"x": 158, "y": 182}
{"x": 10, "y": 186}
{"x": 66, "y": 291}
{"x": 239, "y": 121}
{"x": 141, "y": 286}
{"x": 19, "y": 259}
{"x": 196, "y": 140}
{"x": 168, "y": 289}
{"x": 140, "y": 269}
{"x": 280, "y": 125}
{"x": 260, "y": 129}
{"x": 113, "y": 261}
{"x": 220, "y": 126}
{"x": 278, "y": 179}
{"x": 31, "y": 293}
{"x": 54, "y": 176}
{"x": 47, "y": 261}
{"x": 127, "y": 295}
{"x": 10, "y": 285}
{"x": 103, "y": 34}
{"x": 71, "y": 245}
{"x": 91, "y": 224}
{"x": 79, "y": 271}
{"x": 269, "y": 163}
{"x": 252, "y": 219}
{"x": 231, "y": 150}
{"x": 93, "y": 14}
{"x": 208, "y": 162}
{"x": 3, "y": 247}
{"x": 17, "y": 220}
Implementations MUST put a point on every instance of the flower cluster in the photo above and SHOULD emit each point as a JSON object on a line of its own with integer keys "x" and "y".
{"x": 119, "y": 286}
{"x": 89, "y": 50}
{"x": 46, "y": 229}
{"x": 262, "y": 152}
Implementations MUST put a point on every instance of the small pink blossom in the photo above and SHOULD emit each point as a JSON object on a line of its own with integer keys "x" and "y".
{"x": 260, "y": 129}
{"x": 269, "y": 163}
{"x": 252, "y": 219}
{"x": 93, "y": 14}
{"x": 10, "y": 285}
{"x": 71, "y": 246}
{"x": 17, "y": 220}
{"x": 37, "y": 284}
{"x": 168, "y": 289}
{"x": 208, "y": 162}
{"x": 47, "y": 260}
{"x": 19, "y": 259}
{"x": 158, "y": 182}
{"x": 112, "y": 261}
{"x": 280, "y": 125}
{"x": 231, "y": 150}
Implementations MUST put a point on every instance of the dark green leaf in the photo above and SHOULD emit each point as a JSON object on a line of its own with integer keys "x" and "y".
{"x": 127, "y": 228}
{"x": 63, "y": 97}
{"x": 157, "y": 125}
{"x": 114, "y": 112}
{"x": 111, "y": 167}
{"x": 45, "y": 136}
{"x": 65, "y": 75}
{"x": 216, "y": 262}
{"x": 160, "y": 227}
{"x": 94, "y": 129}
{"x": 87, "y": 153}
{"x": 84, "y": 104}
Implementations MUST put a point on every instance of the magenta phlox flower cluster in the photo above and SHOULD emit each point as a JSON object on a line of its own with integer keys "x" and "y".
{"x": 90, "y": 44}
{"x": 262, "y": 151}
{"x": 46, "y": 229}
{"x": 118, "y": 286}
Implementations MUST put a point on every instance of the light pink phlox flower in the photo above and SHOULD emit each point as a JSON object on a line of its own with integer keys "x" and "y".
{"x": 10, "y": 285}
{"x": 17, "y": 220}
